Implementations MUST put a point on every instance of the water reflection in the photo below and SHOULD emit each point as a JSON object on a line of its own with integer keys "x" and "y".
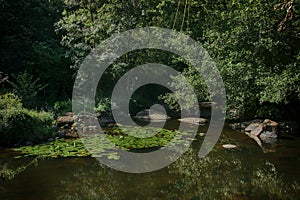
{"x": 241, "y": 173}
{"x": 220, "y": 176}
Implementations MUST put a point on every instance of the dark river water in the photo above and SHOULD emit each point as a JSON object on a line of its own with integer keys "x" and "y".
{"x": 241, "y": 173}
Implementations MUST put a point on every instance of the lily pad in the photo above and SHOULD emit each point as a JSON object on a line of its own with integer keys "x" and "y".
{"x": 99, "y": 145}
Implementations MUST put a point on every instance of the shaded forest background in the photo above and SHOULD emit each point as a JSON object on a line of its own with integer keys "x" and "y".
{"x": 255, "y": 45}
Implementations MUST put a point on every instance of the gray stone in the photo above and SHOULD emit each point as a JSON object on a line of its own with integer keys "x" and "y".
{"x": 193, "y": 120}
{"x": 251, "y": 127}
{"x": 264, "y": 132}
{"x": 229, "y": 146}
{"x": 151, "y": 115}
{"x": 255, "y": 129}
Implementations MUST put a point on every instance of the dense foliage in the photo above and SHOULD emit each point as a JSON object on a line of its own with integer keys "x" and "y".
{"x": 255, "y": 45}
{"x": 19, "y": 125}
{"x": 258, "y": 62}
{"x": 28, "y": 42}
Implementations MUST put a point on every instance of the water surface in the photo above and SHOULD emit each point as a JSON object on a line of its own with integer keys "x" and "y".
{"x": 242, "y": 173}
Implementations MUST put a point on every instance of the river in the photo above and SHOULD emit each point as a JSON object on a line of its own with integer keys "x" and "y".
{"x": 241, "y": 173}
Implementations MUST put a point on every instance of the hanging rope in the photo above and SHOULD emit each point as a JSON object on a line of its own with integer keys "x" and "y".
{"x": 176, "y": 15}
{"x": 188, "y": 16}
{"x": 184, "y": 12}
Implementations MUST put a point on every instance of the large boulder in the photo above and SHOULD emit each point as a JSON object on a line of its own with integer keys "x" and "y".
{"x": 263, "y": 133}
{"x": 254, "y": 129}
{"x": 265, "y": 129}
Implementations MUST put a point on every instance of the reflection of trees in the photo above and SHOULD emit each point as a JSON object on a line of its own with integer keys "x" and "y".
{"x": 8, "y": 173}
{"x": 95, "y": 182}
{"x": 223, "y": 176}
{"x": 227, "y": 177}
{"x": 99, "y": 182}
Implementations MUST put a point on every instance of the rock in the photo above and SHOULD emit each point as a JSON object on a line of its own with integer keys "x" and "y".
{"x": 69, "y": 114}
{"x": 251, "y": 127}
{"x": 267, "y": 128}
{"x": 254, "y": 129}
{"x": 151, "y": 115}
{"x": 64, "y": 120}
{"x": 270, "y": 129}
{"x": 208, "y": 104}
{"x": 229, "y": 146}
{"x": 268, "y": 137}
{"x": 270, "y": 123}
{"x": 193, "y": 120}
{"x": 243, "y": 125}
{"x": 264, "y": 132}
{"x": 50, "y": 139}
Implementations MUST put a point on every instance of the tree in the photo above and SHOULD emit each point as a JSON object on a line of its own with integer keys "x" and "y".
{"x": 28, "y": 42}
{"x": 258, "y": 64}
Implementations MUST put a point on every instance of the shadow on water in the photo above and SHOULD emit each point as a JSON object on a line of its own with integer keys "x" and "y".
{"x": 241, "y": 173}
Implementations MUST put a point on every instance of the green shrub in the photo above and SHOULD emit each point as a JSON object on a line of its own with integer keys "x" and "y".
{"x": 10, "y": 100}
{"x": 18, "y": 124}
{"x": 103, "y": 105}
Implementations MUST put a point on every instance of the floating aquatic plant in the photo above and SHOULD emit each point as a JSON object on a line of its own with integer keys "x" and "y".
{"x": 101, "y": 146}
{"x": 54, "y": 149}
